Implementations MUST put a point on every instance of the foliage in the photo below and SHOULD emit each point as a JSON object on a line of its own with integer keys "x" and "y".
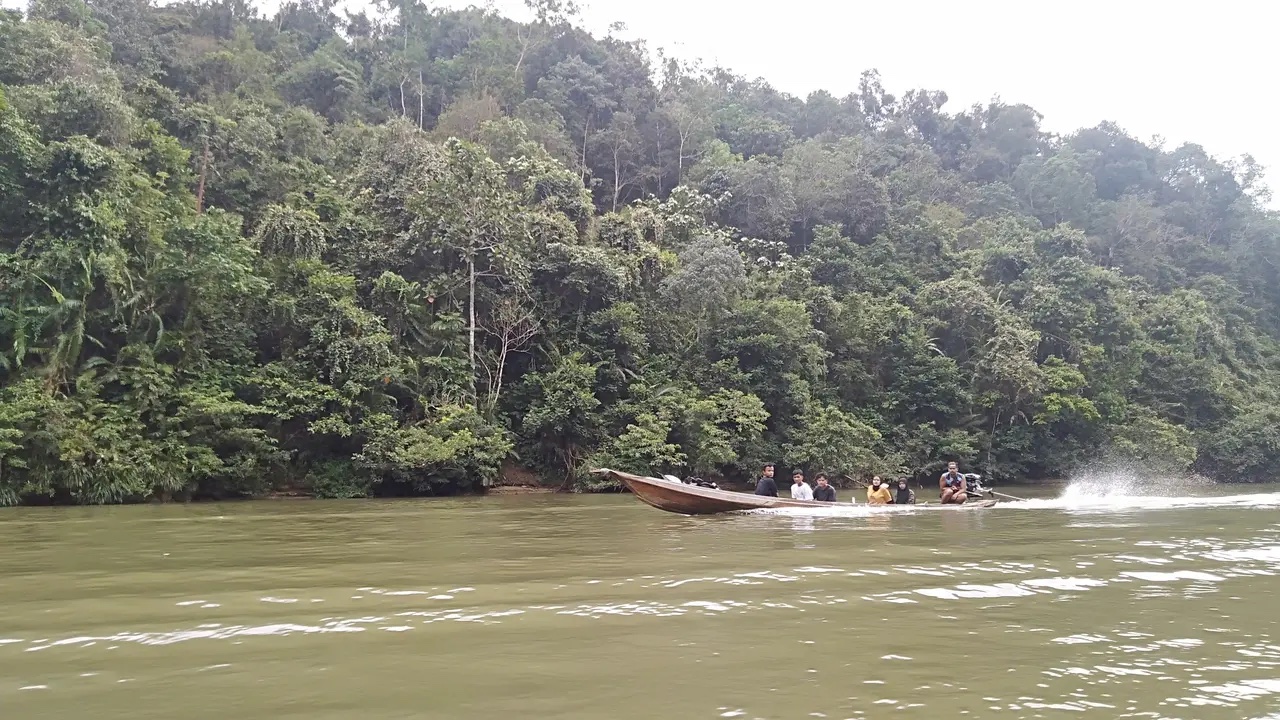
{"x": 388, "y": 253}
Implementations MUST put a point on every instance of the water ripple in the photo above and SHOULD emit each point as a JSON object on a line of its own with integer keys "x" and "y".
{"x": 968, "y": 615}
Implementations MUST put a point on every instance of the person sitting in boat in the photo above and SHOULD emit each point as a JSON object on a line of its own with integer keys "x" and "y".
{"x": 765, "y": 485}
{"x": 951, "y": 485}
{"x": 824, "y": 491}
{"x": 800, "y": 489}
{"x": 878, "y": 493}
{"x": 905, "y": 495}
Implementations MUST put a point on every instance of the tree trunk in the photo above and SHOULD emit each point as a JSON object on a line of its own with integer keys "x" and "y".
{"x": 680, "y": 159}
{"x": 657, "y": 157}
{"x": 421, "y": 106}
{"x": 204, "y": 170}
{"x": 586, "y": 132}
{"x": 617, "y": 178}
{"x": 495, "y": 386}
{"x": 524, "y": 49}
{"x": 471, "y": 318}
{"x": 567, "y": 457}
{"x": 404, "y": 52}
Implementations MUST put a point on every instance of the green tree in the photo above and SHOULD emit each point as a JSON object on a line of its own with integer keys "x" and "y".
{"x": 394, "y": 251}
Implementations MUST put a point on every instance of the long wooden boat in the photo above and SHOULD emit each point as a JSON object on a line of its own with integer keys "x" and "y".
{"x": 686, "y": 499}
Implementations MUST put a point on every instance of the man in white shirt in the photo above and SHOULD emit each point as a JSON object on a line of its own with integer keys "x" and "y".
{"x": 800, "y": 489}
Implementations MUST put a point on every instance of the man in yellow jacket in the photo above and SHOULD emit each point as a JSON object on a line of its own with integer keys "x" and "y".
{"x": 877, "y": 493}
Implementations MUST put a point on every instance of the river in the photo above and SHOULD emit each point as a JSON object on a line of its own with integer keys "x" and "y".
{"x": 548, "y": 606}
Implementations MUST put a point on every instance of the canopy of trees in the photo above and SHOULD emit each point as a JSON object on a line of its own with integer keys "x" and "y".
{"x": 394, "y": 253}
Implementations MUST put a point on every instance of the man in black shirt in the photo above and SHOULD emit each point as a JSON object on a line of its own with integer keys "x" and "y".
{"x": 824, "y": 492}
{"x": 765, "y": 485}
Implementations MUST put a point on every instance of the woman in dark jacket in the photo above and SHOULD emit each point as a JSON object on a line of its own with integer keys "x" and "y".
{"x": 904, "y": 495}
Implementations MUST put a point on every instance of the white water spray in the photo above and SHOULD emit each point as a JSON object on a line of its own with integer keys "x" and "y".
{"x": 1125, "y": 487}
{"x": 1131, "y": 479}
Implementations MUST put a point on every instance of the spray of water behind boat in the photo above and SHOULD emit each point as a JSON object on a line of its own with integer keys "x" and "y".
{"x": 1130, "y": 479}
{"x": 1118, "y": 486}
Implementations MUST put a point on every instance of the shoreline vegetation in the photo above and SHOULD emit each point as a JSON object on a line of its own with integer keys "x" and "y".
{"x": 394, "y": 254}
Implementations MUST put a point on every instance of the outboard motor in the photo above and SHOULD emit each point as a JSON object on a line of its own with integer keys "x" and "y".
{"x": 973, "y": 485}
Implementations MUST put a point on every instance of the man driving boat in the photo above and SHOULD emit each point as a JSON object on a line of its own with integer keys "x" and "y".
{"x": 951, "y": 485}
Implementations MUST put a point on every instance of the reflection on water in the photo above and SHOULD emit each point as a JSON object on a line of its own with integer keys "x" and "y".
{"x": 556, "y": 607}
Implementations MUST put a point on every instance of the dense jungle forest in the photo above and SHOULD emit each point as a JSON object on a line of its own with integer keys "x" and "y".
{"x": 411, "y": 251}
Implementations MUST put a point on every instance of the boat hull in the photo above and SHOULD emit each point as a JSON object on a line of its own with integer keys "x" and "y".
{"x": 696, "y": 500}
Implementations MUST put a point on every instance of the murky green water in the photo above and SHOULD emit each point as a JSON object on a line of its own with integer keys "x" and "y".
{"x": 600, "y": 607}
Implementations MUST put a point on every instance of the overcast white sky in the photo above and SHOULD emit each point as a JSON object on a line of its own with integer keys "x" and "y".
{"x": 1196, "y": 71}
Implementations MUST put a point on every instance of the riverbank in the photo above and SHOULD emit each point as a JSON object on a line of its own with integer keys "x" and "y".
{"x": 512, "y": 480}
{"x": 519, "y": 490}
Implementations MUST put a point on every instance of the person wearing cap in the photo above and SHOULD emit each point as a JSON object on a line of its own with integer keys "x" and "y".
{"x": 904, "y": 495}
{"x": 800, "y": 489}
{"x": 765, "y": 485}
{"x": 824, "y": 491}
{"x": 877, "y": 493}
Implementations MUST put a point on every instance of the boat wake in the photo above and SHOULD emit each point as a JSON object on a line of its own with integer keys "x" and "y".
{"x": 1072, "y": 499}
{"x": 1118, "y": 489}
{"x": 838, "y": 509}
